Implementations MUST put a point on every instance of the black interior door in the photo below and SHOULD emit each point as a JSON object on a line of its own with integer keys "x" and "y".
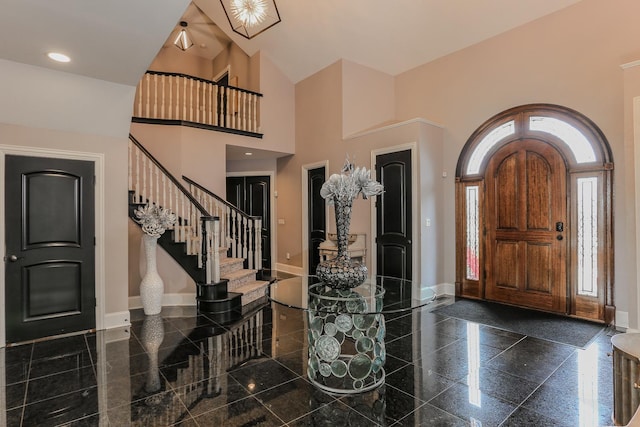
{"x": 50, "y": 247}
{"x": 317, "y": 216}
{"x": 393, "y": 211}
{"x": 252, "y": 195}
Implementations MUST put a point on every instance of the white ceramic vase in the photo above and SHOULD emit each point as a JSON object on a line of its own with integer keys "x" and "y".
{"x": 152, "y": 286}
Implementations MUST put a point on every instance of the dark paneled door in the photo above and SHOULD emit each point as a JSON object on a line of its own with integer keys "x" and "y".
{"x": 50, "y": 247}
{"x": 317, "y": 216}
{"x": 393, "y": 213}
{"x": 252, "y": 195}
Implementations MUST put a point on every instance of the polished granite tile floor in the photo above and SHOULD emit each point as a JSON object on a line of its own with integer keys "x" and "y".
{"x": 181, "y": 368}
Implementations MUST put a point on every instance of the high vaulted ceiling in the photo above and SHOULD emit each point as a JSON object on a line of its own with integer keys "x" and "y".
{"x": 116, "y": 40}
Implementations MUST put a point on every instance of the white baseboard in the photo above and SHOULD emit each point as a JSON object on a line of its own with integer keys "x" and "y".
{"x": 117, "y": 320}
{"x": 172, "y": 300}
{"x": 291, "y": 269}
{"x": 440, "y": 289}
{"x": 622, "y": 320}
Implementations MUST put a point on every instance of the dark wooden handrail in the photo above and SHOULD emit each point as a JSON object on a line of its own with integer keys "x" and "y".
{"x": 177, "y": 183}
{"x": 218, "y": 198}
{"x": 162, "y": 73}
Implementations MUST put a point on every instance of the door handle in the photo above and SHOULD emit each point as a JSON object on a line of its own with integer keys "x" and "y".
{"x": 12, "y": 258}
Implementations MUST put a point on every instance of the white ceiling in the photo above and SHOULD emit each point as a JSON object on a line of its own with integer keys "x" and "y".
{"x": 392, "y": 36}
{"x": 116, "y": 40}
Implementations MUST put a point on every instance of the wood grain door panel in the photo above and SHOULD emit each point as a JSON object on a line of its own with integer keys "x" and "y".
{"x": 526, "y": 197}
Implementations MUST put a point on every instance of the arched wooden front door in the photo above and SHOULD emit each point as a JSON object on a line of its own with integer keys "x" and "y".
{"x": 526, "y": 214}
{"x": 534, "y": 213}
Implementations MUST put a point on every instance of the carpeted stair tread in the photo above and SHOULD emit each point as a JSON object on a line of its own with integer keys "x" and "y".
{"x": 251, "y": 291}
{"x": 239, "y": 274}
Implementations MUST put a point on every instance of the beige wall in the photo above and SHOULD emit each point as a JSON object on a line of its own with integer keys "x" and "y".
{"x": 234, "y": 59}
{"x": 571, "y": 58}
{"x": 630, "y": 220}
{"x": 361, "y": 87}
{"x": 321, "y": 101}
{"x": 114, "y": 151}
{"x": 59, "y": 111}
{"x": 318, "y": 119}
{"x": 277, "y": 109}
{"x": 170, "y": 59}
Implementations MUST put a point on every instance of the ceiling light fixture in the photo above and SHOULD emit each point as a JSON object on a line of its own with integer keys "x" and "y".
{"x": 251, "y": 17}
{"x": 183, "y": 41}
{"x": 249, "y": 12}
{"x": 58, "y": 57}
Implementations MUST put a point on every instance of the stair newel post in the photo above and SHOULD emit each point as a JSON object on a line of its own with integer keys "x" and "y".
{"x": 215, "y": 252}
{"x": 205, "y": 259}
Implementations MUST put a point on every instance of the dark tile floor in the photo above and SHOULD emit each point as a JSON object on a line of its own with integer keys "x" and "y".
{"x": 179, "y": 368}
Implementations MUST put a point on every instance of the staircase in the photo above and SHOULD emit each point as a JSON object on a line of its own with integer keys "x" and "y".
{"x": 215, "y": 243}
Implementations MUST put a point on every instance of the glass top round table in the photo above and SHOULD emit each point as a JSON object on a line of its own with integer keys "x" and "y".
{"x": 346, "y": 327}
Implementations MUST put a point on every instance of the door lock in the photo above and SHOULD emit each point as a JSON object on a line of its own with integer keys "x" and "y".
{"x": 559, "y": 226}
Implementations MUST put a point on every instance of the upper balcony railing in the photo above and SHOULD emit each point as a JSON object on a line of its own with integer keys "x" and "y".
{"x": 173, "y": 98}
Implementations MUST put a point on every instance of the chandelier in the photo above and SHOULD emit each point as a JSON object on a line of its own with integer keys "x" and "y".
{"x": 251, "y": 17}
{"x": 183, "y": 41}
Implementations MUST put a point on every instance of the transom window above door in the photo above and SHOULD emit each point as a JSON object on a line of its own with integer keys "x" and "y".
{"x": 512, "y": 144}
{"x": 570, "y": 131}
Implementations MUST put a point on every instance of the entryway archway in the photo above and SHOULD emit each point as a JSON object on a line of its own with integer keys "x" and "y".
{"x": 534, "y": 213}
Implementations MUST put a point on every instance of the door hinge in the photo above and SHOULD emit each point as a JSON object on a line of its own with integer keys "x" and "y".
{"x": 94, "y": 241}
{"x": 95, "y": 302}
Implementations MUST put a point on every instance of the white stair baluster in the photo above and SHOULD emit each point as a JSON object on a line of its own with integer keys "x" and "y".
{"x": 147, "y": 78}
{"x": 155, "y": 96}
{"x": 258, "y": 246}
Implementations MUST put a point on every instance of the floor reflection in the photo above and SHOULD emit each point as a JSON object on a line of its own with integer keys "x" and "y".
{"x": 181, "y": 368}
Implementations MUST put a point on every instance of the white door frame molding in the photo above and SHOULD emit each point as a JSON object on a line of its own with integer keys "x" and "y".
{"x": 305, "y": 209}
{"x": 415, "y": 219}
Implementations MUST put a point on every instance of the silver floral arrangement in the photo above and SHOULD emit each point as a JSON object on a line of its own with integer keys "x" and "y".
{"x": 154, "y": 219}
{"x": 349, "y": 184}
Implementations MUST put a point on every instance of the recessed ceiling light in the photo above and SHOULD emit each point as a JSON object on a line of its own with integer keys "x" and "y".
{"x": 248, "y": 153}
{"x": 59, "y": 57}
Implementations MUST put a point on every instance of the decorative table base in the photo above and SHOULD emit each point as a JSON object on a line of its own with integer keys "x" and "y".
{"x": 346, "y": 347}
